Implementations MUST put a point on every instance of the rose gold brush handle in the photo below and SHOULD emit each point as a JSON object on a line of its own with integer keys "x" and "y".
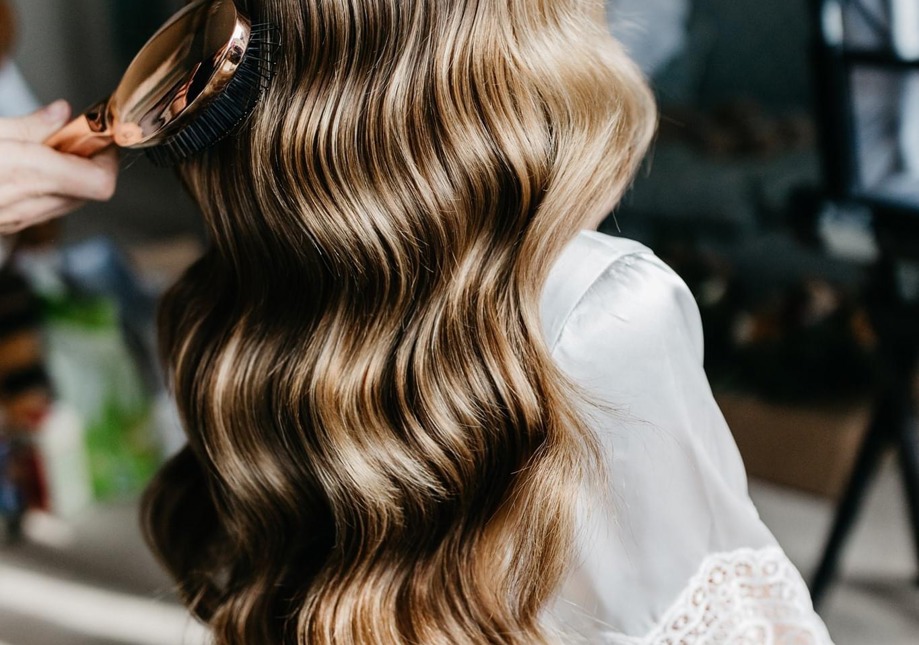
{"x": 86, "y": 135}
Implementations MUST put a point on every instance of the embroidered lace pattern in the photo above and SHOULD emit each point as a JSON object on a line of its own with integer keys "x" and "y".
{"x": 745, "y": 597}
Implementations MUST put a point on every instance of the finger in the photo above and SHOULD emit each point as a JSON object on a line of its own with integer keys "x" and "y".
{"x": 34, "y": 211}
{"x": 34, "y": 170}
{"x": 108, "y": 161}
{"x": 37, "y": 126}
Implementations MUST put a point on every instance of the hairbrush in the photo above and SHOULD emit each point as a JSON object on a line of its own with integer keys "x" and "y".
{"x": 190, "y": 86}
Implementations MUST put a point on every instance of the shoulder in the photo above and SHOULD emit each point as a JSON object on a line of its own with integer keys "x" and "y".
{"x": 601, "y": 285}
{"x": 583, "y": 262}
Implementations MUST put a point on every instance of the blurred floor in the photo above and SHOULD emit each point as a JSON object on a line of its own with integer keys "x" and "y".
{"x": 93, "y": 584}
{"x": 876, "y": 599}
{"x": 98, "y": 589}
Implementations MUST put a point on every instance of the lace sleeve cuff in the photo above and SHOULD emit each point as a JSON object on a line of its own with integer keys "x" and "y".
{"x": 744, "y": 597}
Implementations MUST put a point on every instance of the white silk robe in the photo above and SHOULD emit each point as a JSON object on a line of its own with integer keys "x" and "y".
{"x": 674, "y": 551}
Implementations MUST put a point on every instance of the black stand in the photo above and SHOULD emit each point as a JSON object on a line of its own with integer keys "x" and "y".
{"x": 894, "y": 421}
{"x": 894, "y": 312}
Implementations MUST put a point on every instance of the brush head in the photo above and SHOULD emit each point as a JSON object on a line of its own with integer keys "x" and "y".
{"x": 229, "y": 108}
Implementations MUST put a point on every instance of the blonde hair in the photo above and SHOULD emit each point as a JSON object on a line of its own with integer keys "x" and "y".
{"x": 381, "y": 449}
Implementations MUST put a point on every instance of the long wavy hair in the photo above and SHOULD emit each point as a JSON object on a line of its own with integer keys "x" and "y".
{"x": 380, "y": 447}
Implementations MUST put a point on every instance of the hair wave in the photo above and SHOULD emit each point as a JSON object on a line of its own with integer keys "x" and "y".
{"x": 381, "y": 449}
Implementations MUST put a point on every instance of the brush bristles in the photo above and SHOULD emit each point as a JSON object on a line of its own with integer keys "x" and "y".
{"x": 230, "y": 108}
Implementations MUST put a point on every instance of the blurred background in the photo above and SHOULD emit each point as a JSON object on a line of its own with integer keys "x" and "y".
{"x": 783, "y": 187}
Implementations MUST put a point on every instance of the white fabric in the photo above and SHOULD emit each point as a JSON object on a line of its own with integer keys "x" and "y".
{"x": 675, "y": 546}
{"x": 653, "y": 32}
{"x": 904, "y": 23}
{"x": 886, "y": 100}
{"x": 16, "y": 98}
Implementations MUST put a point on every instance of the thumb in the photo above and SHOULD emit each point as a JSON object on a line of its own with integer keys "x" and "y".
{"x": 37, "y": 126}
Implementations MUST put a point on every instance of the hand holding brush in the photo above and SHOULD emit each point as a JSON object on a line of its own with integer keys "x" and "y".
{"x": 191, "y": 85}
{"x": 37, "y": 183}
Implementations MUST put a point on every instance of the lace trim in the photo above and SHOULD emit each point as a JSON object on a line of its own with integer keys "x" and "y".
{"x": 744, "y": 597}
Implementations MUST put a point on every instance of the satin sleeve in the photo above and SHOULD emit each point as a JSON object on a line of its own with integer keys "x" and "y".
{"x": 671, "y": 548}
{"x": 16, "y": 99}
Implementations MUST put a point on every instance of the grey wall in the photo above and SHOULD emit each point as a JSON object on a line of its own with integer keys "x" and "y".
{"x": 65, "y": 49}
{"x": 77, "y": 49}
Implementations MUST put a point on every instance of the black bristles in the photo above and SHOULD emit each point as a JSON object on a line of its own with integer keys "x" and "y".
{"x": 230, "y": 108}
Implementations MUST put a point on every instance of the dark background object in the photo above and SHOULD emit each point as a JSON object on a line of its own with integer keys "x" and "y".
{"x": 134, "y": 23}
{"x": 894, "y": 311}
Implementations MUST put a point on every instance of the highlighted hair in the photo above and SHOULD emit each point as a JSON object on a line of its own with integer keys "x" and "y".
{"x": 381, "y": 448}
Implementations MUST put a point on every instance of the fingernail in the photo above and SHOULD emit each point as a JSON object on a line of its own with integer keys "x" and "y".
{"x": 56, "y": 112}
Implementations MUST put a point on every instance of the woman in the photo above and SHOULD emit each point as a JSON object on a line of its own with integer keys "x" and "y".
{"x": 423, "y": 405}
